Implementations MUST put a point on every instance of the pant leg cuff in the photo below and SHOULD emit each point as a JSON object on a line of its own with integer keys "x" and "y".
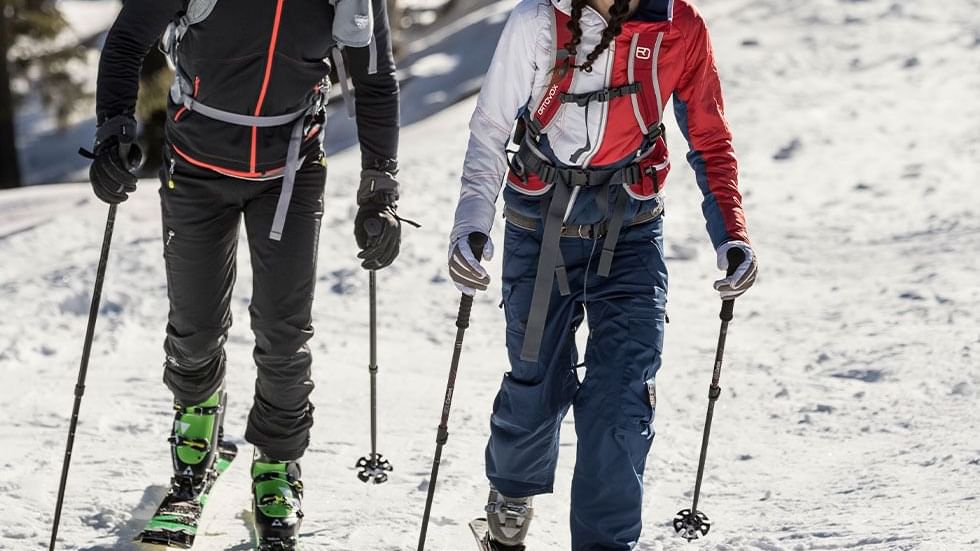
{"x": 514, "y": 488}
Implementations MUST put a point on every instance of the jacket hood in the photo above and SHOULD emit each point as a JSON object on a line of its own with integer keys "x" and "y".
{"x": 649, "y": 10}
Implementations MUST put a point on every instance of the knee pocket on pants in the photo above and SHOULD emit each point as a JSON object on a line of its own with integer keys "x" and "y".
{"x": 644, "y": 348}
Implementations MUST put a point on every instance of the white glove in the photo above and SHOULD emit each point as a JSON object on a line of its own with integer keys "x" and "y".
{"x": 743, "y": 276}
{"x": 464, "y": 268}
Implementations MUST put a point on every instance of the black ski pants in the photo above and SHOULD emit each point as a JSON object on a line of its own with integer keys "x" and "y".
{"x": 202, "y": 212}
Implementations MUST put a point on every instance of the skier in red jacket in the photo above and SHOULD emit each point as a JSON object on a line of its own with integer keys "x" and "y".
{"x": 578, "y": 88}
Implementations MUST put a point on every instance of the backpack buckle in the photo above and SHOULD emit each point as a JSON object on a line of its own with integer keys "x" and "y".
{"x": 548, "y": 173}
{"x": 577, "y": 177}
{"x": 632, "y": 174}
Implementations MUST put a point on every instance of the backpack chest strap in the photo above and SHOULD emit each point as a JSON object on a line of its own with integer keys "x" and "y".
{"x": 601, "y": 96}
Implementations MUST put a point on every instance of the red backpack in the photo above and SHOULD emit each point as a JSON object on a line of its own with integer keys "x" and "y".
{"x": 634, "y": 132}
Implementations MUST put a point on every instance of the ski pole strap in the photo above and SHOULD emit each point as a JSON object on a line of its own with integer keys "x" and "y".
{"x": 543, "y": 281}
{"x": 122, "y": 127}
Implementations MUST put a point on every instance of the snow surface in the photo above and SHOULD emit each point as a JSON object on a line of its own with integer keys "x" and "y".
{"x": 849, "y": 414}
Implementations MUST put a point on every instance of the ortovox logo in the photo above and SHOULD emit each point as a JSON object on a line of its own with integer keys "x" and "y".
{"x": 642, "y": 53}
{"x": 188, "y": 471}
{"x": 547, "y": 101}
{"x": 276, "y": 523}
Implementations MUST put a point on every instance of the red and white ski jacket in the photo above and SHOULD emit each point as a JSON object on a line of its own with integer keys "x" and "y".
{"x": 521, "y": 74}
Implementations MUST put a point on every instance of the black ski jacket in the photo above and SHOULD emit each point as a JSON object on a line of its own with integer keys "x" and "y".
{"x": 252, "y": 57}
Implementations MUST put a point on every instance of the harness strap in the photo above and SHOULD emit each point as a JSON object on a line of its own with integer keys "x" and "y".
{"x": 288, "y": 179}
{"x": 615, "y": 226}
{"x": 543, "y": 280}
{"x": 338, "y": 60}
{"x": 242, "y": 120}
{"x": 561, "y": 274}
{"x": 581, "y": 231}
{"x": 298, "y": 118}
{"x": 529, "y": 161}
{"x": 199, "y": 10}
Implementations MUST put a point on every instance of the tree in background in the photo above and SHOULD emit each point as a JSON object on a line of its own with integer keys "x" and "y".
{"x": 34, "y": 51}
{"x": 151, "y": 108}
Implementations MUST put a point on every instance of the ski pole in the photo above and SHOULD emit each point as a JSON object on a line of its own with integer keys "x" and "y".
{"x": 477, "y": 242}
{"x": 373, "y": 468}
{"x": 691, "y": 523}
{"x": 93, "y": 314}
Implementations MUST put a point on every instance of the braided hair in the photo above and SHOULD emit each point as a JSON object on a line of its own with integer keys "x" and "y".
{"x": 617, "y": 16}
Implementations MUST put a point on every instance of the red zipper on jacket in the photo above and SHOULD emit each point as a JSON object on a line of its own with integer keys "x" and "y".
{"x": 265, "y": 81}
{"x": 182, "y": 110}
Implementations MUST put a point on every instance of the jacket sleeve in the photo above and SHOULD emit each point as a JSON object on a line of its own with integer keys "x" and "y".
{"x": 372, "y": 70}
{"x": 506, "y": 89}
{"x": 700, "y": 112}
{"x": 138, "y": 26}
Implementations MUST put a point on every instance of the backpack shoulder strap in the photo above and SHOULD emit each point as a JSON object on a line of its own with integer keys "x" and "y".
{"x": 548, "y": 103}
{"x": 642, "y": 67}
{"x": 198, "y": 10}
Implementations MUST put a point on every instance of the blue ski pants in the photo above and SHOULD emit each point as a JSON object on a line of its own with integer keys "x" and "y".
{"x": 613, "y": 402}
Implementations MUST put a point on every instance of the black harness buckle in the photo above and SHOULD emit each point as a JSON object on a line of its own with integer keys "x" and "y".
{"x": 577, "y": 177}
{"x": 548, "y": 173}
{"x": 632, "y": 174}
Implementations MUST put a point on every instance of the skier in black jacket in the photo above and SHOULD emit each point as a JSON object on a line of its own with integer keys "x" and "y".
{"x": 244, "y": 138}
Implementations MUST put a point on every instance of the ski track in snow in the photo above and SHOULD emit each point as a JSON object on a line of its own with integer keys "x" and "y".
{"x": 848, "y": 418}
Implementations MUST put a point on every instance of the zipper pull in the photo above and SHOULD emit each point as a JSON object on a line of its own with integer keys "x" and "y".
{"x": 170, "y": 236}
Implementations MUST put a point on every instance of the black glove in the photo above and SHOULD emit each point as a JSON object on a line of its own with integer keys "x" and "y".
{"x": 116, "y": 159}
{"x": 377, "y": 228}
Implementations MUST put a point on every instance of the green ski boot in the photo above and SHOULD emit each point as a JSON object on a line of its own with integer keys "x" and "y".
{"x": 194, "y": 443}
{"x": 277, "y": 495}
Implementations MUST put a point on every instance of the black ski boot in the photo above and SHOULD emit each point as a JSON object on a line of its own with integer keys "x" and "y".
{"x": 277, "y": 495}
{"x": 194, "y": 443}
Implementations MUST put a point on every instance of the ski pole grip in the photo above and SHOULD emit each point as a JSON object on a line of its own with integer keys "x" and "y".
{"x": 373, "y": 227}
{"x": 463, "y": 317}
{"x": 735, "y": 259}
{"x": 727, "y": 310}
{"x": 477, "y": 242}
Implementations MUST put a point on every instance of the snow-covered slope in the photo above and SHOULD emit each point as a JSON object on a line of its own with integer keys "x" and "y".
{"x": 849, "y": 413}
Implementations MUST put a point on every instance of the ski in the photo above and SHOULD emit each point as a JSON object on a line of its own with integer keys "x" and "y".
{"x": 268, "y": 544}
{"x": 174, "y": 525}
{"x": 481, "y": 532}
